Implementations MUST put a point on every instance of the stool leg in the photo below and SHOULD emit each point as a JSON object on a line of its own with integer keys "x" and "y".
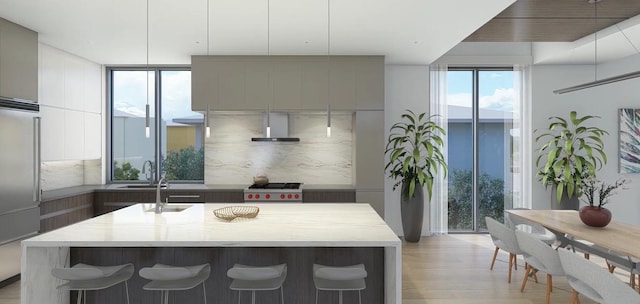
{"x": 340, "y": 292}
{"x": 253, "y": 297}
{"x": 126, "y": 289}
{"x": 281, "y": 295}
{"x": 204, "y": 293}
{"x": 316, "y": 295}
{"x": 239, "y": 292}
{"x": 79, "y": 297}
{"x": 359, "y": 297}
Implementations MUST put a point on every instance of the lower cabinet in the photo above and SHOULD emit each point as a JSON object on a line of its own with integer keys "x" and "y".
{"x": 62, "y": 212}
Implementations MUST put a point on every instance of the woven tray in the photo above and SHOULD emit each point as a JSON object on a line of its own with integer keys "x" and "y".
{"x": 233, "y": 212}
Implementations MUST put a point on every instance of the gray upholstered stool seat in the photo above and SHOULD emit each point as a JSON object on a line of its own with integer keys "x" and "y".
{"x": 255, "y": 278}
{"x": 83, "y": 277}
{"x": 166, "y": 278}
{"x": 340, "y": 279}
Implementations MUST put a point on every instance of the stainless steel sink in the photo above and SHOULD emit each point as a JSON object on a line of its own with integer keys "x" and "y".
{"x": 170, "y": 208}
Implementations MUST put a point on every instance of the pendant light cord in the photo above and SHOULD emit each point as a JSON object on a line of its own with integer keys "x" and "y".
{"x": 595, "y": 5}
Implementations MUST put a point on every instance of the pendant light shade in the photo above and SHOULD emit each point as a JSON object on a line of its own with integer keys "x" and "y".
{"x": 268, "y": 130}
{"x": 147, "y": 126}
{"x": 328, "y": 120}
{"x": 207, "y": 118}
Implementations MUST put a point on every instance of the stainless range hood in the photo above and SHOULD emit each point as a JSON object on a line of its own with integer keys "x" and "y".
{"x": 279, "y": 123}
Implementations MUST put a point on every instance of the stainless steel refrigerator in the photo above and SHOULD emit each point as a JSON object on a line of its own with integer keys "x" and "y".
{"x": 19, "y": 180}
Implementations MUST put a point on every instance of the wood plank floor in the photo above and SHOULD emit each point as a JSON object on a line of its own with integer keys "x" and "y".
{"x": 449, "y": 269}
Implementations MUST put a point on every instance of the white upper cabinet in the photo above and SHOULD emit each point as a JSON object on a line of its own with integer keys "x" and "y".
{"x": 287, "y": 83}
{"x": 71, "y": 99}
{"x": 18, "y": 61}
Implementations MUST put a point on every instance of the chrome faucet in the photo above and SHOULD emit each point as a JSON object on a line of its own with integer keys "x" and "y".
{"x": 159, "y": 204}
{"x": 148, "y": 175}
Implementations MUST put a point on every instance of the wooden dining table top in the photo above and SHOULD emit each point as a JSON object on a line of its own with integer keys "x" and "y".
{"x": 621, "y": 237}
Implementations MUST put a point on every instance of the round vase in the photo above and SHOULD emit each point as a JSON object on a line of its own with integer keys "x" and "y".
{"x": 595, "y": 216}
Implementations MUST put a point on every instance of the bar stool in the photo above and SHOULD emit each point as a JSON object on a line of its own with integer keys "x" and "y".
{"x": 340, "y": 279}
{"x": 166, "y": 278}
{"x": 83, "y": 277}
{"x": 255, "y": 278}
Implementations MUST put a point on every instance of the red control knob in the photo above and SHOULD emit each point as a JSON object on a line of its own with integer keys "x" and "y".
{"x": 267, "y": 196}
{"x": 289, "y": 195}
{"x": 282, "y": 196}
{"x": 257, "y": 196}
{"x": 250, "y": 196}
{"x": 296, "y": 196}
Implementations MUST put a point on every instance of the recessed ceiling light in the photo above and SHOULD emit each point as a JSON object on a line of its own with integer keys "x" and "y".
{"x": 416, "y": 42}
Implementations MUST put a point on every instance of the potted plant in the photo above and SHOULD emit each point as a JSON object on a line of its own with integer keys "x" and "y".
{"x": 596, "y": 194}
{"x": 414, "y": 149}
{"x": 570, "y": 152}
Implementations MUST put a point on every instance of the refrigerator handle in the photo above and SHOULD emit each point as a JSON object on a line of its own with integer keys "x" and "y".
{"x": 37, "y": 193}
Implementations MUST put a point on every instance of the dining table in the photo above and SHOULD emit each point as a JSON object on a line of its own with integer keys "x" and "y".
{"x": 618, "y": 241}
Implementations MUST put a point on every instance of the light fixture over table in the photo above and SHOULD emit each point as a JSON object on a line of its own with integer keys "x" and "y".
{"x": 604, "y": 80}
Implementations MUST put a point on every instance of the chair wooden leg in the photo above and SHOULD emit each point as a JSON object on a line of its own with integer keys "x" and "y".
{"x": 515, "y": 262}
{"x": 527, "y": 270}
{"x": 586, "y": 256}
{"x": 549, "y": 283}
{"x": 510, "y": 266}
{"x": 574, "y": 297}
{"x": 611, "y": 267}
{"x": 535, "y": 274}
{"x": 493, "y": 260}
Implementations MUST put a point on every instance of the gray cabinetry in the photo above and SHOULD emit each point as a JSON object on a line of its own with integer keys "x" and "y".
{"x": 18, "y": 61}
{"x": 288, "y": 83}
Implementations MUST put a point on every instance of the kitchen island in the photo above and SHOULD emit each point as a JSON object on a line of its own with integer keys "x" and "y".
{"x": 296, "y": 234}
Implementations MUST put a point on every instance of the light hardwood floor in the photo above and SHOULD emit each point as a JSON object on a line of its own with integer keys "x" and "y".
{"x": 449, "y": 269}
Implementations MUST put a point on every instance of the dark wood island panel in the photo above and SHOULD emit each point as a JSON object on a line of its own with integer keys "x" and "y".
{"x": 298, "y": 286}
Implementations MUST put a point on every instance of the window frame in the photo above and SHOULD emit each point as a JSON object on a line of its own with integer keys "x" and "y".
{"x": 157, "y": 113}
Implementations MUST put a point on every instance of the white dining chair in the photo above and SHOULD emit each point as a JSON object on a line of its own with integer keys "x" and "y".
{"x": 536, "y": 230}
{"x": 504, "y": 238}
{"x": 539, "y": 256}
{"x": 594, "y": 282}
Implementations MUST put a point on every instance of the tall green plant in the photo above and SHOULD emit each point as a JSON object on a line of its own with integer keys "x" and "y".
{"x": 414, "y": 149}
{"x": 570, "y": 152}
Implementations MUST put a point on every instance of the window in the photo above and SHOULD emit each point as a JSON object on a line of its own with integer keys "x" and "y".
{"x": 483, "y": 128}
{"x": 175, "y": 146}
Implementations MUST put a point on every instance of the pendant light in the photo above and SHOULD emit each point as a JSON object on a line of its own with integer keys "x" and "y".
{"x": 147, "y": 128}
{"x": 207, "y": 118}
{"x": 328, "y": 68}
{"x": 603, "y": 81}
{"x": 268, "y": 129}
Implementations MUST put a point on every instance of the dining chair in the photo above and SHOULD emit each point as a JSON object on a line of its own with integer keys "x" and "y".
{"x": 537, "y": 230}
{"x": 594, "y": 282}
{"x": 539, "y": 256}
{"x": 634, "y": 269}
{"x": 504, "y": 238}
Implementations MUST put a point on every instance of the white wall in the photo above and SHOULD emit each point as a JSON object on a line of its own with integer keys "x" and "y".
{"x": 603, "y": 101}
{"x": 406, "y": 87}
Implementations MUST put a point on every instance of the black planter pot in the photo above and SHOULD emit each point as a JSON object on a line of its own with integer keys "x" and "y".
{"x": 566, "y": 202}
{"x": 411, "y": 211}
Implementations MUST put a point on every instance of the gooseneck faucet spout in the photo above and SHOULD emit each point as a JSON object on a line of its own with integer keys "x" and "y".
{"x": 148, "y": 174}
{"x": 159, "y": 204}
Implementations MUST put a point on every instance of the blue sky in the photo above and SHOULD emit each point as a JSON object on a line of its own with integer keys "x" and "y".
{"x": 496, "y": 89}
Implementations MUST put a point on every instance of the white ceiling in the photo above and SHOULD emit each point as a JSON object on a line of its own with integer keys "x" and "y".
{"x": 407, "y": 31}
{"x": 114, "y": 32}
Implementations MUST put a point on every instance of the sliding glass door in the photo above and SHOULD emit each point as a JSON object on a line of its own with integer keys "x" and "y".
{"x": 482, "y": 120}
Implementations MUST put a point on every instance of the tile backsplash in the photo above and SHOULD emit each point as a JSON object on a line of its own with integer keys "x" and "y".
{"x": 232, "y": 158}
{"x": 70, "y": 173}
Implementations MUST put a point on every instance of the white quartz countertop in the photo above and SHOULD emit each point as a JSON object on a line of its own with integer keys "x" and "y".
{"x": 277, "y": 225}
